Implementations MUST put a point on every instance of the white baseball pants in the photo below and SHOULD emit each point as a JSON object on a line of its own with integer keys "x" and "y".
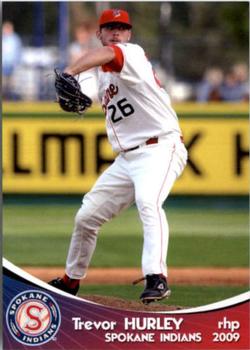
{"x": 144, "y": 176}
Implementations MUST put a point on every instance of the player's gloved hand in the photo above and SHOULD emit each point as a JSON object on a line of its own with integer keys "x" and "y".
{"x": 69, "y": 94}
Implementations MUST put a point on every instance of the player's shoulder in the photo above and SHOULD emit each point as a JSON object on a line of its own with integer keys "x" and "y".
{"x": 129, "y": 47}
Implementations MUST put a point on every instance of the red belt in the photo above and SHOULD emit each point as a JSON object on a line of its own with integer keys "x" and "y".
{"x": 150, "y": 141}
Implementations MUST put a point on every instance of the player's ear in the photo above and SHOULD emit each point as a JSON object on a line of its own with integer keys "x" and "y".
{"x": 98, "y": 34}
{"x": 129, "y": 35}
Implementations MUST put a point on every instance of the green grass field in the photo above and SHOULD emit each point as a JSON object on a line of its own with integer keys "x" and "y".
{"x": 39, "y": 235}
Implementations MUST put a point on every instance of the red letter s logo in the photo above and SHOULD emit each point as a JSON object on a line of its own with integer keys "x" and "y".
{"x": 33, "y": 317}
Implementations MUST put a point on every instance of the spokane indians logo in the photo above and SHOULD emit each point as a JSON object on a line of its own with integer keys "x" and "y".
{"x": 33, "y": 318}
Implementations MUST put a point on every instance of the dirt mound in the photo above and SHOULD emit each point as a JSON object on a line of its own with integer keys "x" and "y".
{"x": 190, "y": 275}
{"x": 119, "y": 303}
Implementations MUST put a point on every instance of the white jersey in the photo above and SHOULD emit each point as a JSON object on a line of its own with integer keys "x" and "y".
{"x": 137, "y": 107}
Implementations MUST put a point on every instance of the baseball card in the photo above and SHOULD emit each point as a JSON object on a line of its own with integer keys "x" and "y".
{"x": 125, "y": 157}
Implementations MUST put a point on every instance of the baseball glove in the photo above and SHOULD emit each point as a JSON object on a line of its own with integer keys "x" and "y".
{"x": 69, "y": 94}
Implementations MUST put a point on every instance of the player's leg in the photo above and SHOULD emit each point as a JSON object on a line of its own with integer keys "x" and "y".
{"x": 112, "y": 193}
{"x": 159, "y": 166}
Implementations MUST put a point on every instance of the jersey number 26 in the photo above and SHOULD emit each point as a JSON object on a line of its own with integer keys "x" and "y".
{"x": 122, "y": 106}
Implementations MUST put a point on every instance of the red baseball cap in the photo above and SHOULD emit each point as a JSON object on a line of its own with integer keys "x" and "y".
{"x": 114, "y": 16}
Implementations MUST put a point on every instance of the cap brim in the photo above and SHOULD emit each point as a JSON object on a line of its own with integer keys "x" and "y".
{"x": 129, "y": 26}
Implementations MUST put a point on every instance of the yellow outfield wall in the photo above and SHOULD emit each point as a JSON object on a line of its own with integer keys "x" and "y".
{"x": 66, "y": 155}
{"x": 187, "y": 107}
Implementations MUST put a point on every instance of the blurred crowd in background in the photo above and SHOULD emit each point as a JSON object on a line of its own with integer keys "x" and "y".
{"x": 229, "y": 85}
{"x": 27, "y": 71}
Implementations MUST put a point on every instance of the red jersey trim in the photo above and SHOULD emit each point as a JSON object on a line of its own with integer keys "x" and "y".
{"x": 117, "y": 63}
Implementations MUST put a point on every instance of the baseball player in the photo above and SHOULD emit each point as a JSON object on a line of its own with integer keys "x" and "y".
{"x": 143, "y": 129}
